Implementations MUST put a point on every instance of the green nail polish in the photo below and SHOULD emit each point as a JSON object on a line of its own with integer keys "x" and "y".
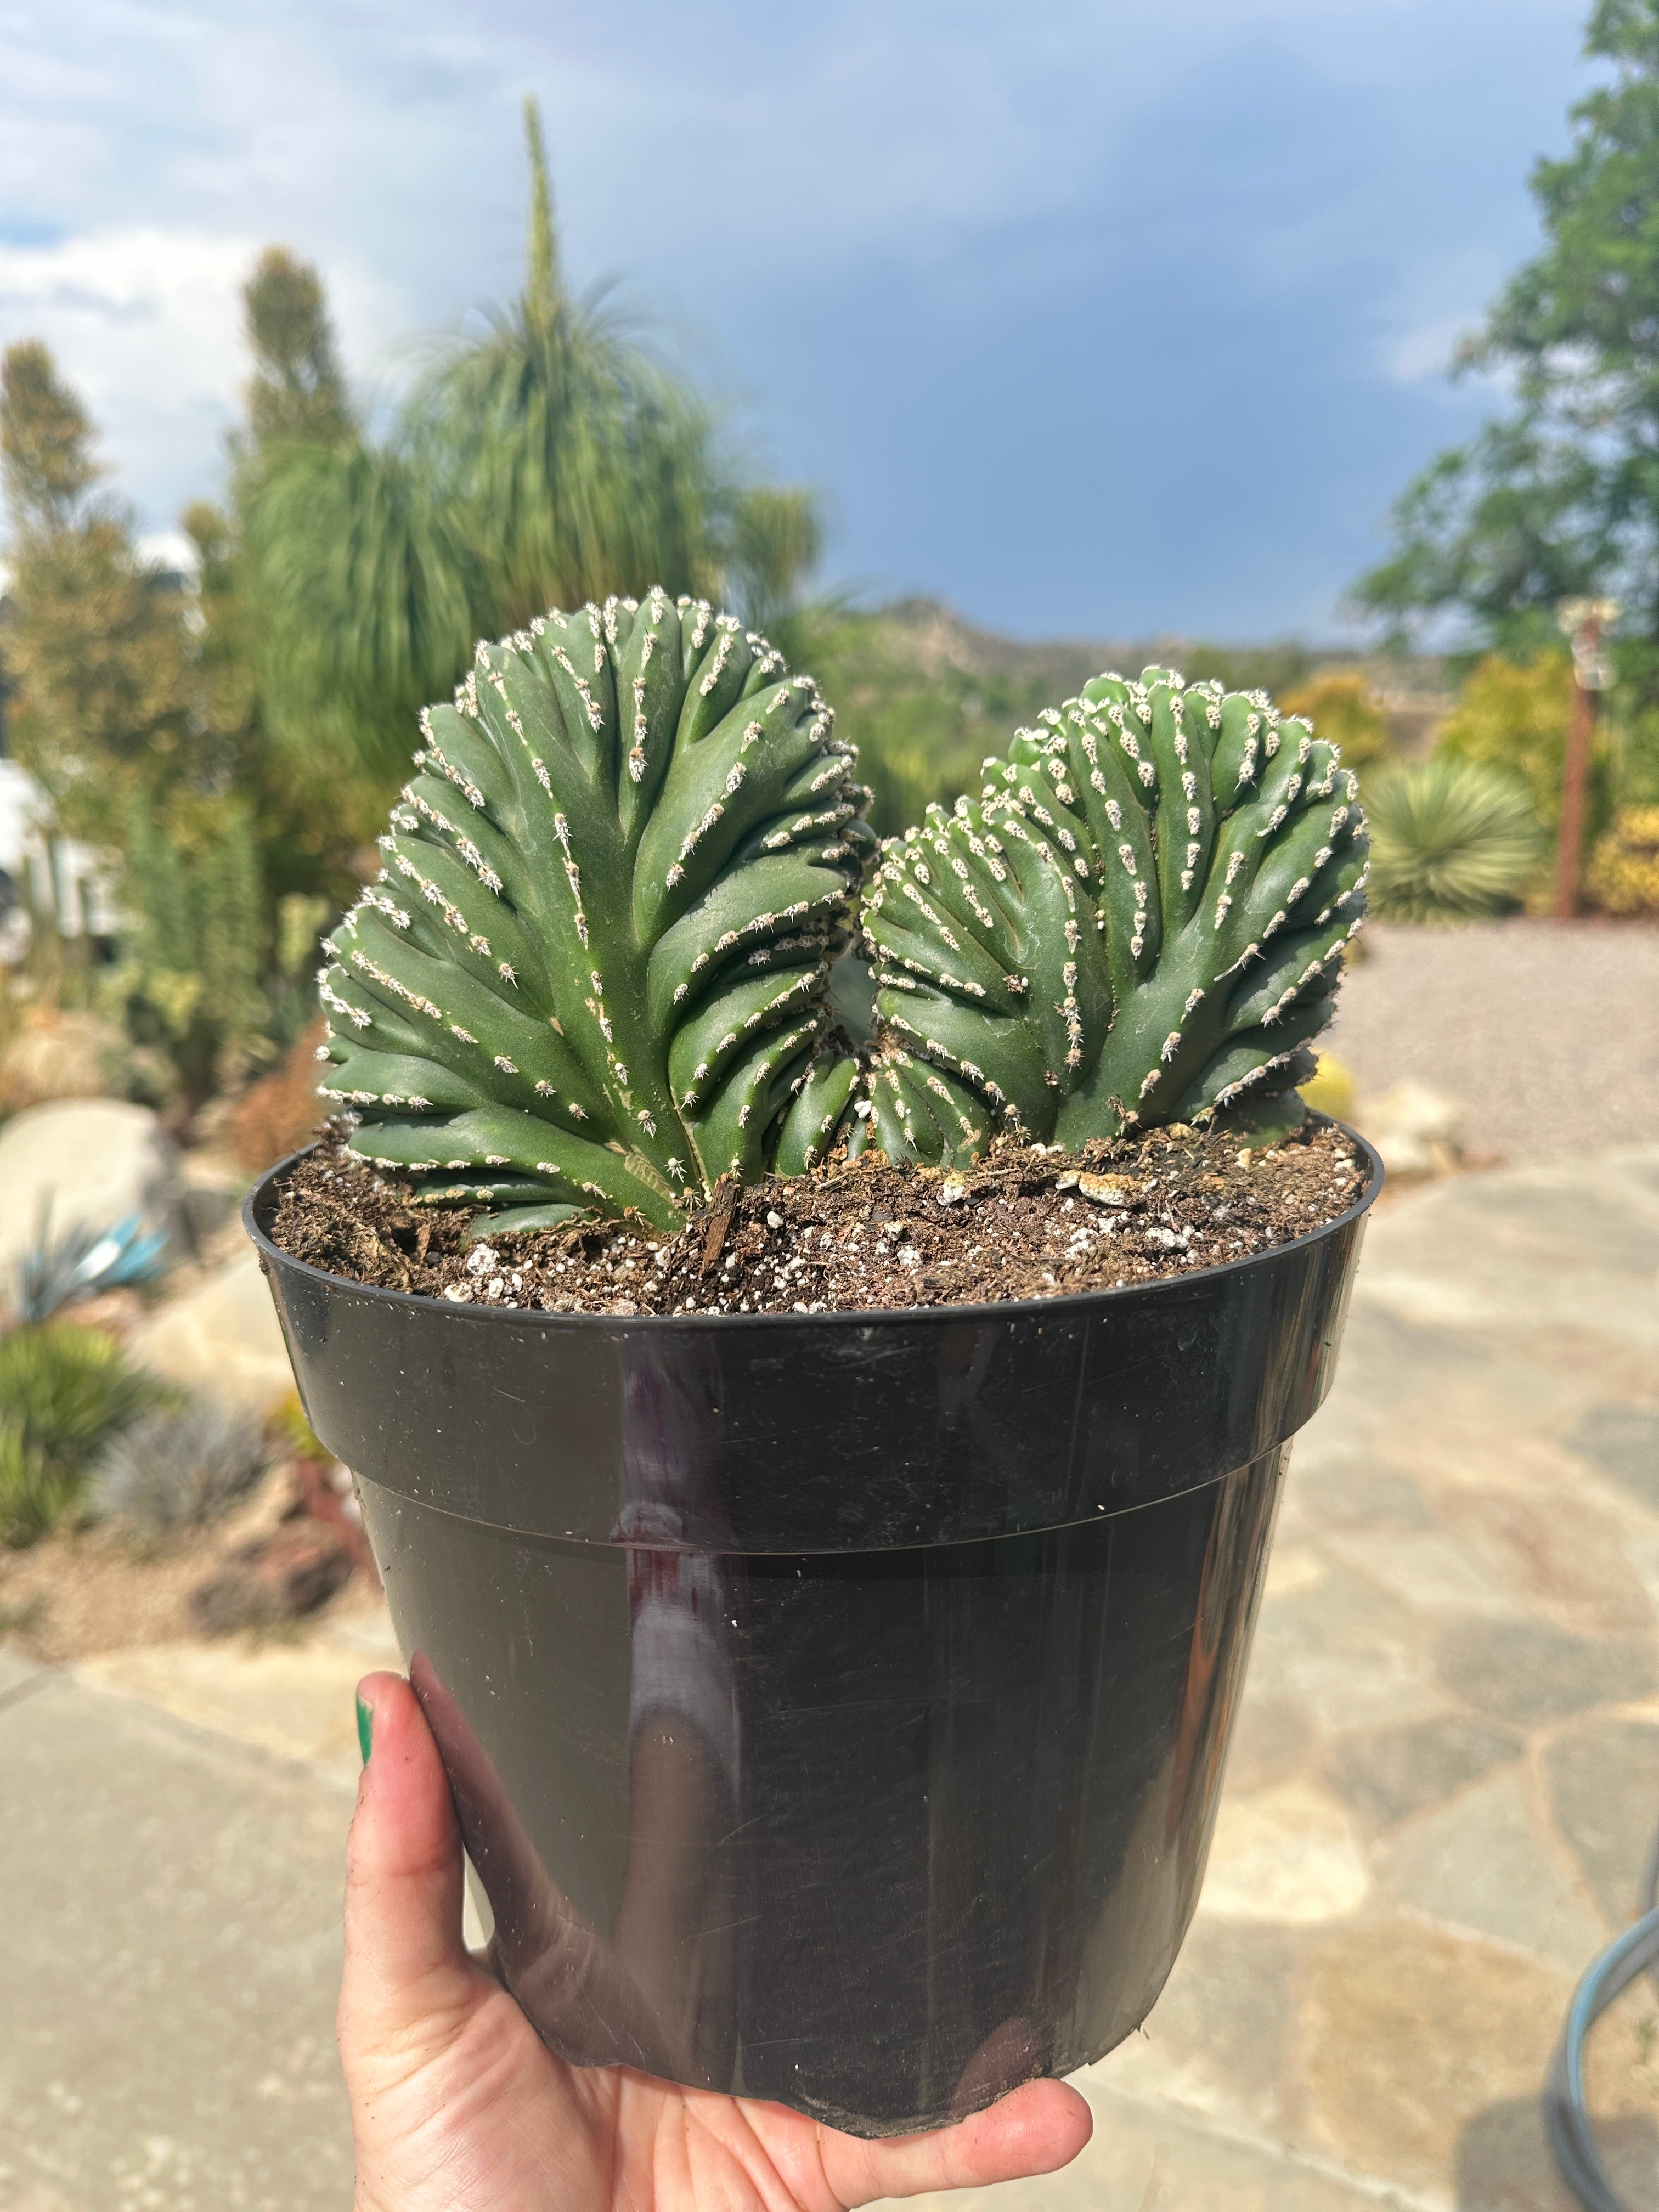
{"x": 365, "y": 1730}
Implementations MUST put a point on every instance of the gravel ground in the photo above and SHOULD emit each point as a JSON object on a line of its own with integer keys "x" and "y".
{"x": 1546, "y": 1032}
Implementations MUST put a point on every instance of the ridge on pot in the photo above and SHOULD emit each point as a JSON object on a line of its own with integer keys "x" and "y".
{"x": 836, "y": 1705}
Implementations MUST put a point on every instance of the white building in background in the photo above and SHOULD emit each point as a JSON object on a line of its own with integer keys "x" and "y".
{"x": 20, "y": 839}
{"x": 56, "y": 878}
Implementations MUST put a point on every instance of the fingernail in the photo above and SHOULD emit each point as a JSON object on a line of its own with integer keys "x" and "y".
{"x": 365, "y": 1729}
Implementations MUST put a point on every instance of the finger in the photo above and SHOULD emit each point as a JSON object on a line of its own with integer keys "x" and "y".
{"x": 403, "y": 1901}
{"x": 1037, "y": 2128}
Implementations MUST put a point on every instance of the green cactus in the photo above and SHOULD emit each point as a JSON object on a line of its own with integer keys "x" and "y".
{"x": 593, "y": 973}
{"x": 1140, "y": 920}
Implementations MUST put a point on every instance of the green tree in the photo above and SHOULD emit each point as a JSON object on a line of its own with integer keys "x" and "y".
{"x": 297, "y": 390}
{"x": 97, "y": 654}
{"x": 312, "y": 813}
{"x": 1560, "y": 497}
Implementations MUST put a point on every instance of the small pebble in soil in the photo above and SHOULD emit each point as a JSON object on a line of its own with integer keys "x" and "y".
{"x": 1027, "y": 1222}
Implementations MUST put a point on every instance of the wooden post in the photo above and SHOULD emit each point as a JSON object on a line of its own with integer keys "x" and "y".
{"x": 1581, "y": 729}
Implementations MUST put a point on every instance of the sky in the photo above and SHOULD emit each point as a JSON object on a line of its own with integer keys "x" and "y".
{"x": 1093, "y": 318}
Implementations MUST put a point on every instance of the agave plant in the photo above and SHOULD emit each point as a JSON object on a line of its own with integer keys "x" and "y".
{"x": 595, "y": 973}
{"x": 1453, "y": 839}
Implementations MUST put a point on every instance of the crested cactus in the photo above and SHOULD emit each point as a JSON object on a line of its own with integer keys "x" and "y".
{"x": 1140, "y": 920}
{"x": 593, "y": 973}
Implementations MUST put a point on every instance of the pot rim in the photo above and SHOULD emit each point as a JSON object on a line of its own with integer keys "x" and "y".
{"x": 1070, "y": 1304}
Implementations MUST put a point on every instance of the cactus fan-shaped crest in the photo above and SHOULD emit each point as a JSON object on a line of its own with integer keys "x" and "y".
{"x": 594, "y": 971}
{"x": 1139, "y": 920}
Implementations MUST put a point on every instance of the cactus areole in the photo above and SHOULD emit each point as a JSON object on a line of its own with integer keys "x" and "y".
{"x": 593, "y": 974}
{"x": 835, "y": 1699}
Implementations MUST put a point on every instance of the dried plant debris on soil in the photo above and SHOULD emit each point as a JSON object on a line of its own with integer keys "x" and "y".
{"x": 1025, "y": 1223}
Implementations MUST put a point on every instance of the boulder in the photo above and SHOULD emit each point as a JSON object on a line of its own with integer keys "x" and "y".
{"x": 273, "y": 1579}
{"x": 1419, "y": 1131}
{"x": 221, "y": 1340}
{"x": 98, "y": 1160}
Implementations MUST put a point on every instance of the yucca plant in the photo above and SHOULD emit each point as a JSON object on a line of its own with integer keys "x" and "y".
{"x": 594, "y": 974}
{"x": 1451, "y": 841}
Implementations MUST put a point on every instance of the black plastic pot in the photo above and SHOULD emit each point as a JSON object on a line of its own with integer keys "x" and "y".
{"x": 834, "y": 1705}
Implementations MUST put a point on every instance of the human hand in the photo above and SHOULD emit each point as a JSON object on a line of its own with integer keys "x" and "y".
{"x": 458, "y": 2105}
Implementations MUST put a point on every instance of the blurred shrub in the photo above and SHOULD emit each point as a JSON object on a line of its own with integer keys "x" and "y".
{"x": 280, "y": 1112}
{"x": 1331, "y": 1090}
{"x": 1514, "y": 714}
{"x": 175, "y": 1468}
{"x": 290, "y": 1431}
{"x": 188, "y": 979}
{"x": 1623, "y": 877}
{"x": 64, "y": 1393}
{"x": 47, "y": 1052}
{"x": 1452, "y": 840}
{"x": 1342, "y": 710}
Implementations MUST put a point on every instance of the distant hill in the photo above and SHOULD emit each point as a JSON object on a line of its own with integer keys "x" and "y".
{"x": 1411, "y": 690}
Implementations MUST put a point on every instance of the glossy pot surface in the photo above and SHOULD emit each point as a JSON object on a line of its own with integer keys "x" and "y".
{"x": 834, "y": 1705}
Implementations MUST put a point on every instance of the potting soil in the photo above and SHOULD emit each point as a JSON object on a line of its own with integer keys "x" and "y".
{"x": 1026, "y": 1222}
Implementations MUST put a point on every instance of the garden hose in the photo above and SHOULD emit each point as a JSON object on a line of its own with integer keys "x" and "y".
{"x": 1572, "y": 2137}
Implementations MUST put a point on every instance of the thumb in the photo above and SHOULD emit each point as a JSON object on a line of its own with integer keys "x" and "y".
{"x": 407, "y": 1980}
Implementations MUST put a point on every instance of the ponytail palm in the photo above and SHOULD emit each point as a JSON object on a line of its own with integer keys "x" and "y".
{"x": 548, "y": 461}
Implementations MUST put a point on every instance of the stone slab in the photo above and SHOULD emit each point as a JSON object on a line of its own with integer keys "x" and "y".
{"x": 17, "y": 1673}
{"x": 1481, "y": 1862}
{"x": 96, "y": 1160}
{"x": 1603, "y": 1778}
{"x": 1145, "y": 2158}
{"x": 1528, "y": 1672}
{"x": 222, "y": 1340}
{"x": 170, "y": 1961}
{"x": 295, "y": 1700}
{"x": 1388, "y": 1774}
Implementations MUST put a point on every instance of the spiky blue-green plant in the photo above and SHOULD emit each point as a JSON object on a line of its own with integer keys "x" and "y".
{"x": 1140, "y": 920}
{"x": 594, "y": 972}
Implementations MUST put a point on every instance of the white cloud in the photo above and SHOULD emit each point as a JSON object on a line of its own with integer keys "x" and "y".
{"x": 146, "y": 324}
{"x": 741, "y": 163}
